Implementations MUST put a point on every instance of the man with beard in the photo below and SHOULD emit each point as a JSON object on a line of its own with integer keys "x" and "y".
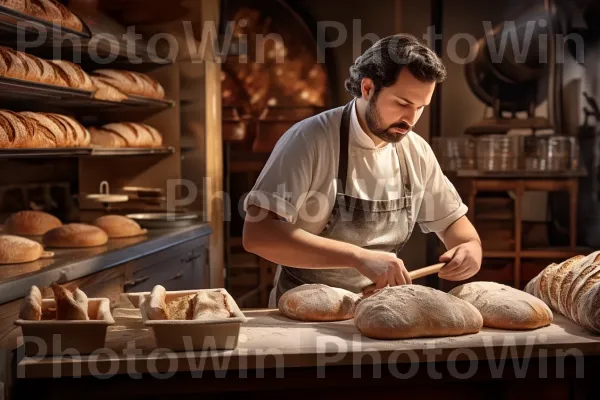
{"x": 343, "y": 190}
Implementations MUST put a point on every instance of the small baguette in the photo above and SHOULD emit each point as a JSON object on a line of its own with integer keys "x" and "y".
{"x": 31, "y": 307}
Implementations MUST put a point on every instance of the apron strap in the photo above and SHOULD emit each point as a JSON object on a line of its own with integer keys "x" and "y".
{"x": 342, "y": 175}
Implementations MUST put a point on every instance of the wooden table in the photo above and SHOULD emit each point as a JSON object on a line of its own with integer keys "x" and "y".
{"x": 279, "y": 357}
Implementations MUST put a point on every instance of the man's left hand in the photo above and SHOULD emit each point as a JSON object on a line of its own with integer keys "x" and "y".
{"x": 462, "y": 261}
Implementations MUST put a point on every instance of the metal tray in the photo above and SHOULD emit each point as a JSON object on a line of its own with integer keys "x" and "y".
{"x": 164, "y": 220}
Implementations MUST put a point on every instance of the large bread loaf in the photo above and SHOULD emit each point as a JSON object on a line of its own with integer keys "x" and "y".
{"x": 505, "y": 307}
{"x": 30, "y": 223}
{"x": 74, "y": 75}
{"x": 54, "y": 12}
{"x": 415, "y": 311}
{"x": 75, "y": 235}
{"x": 132, "y": 83}
{"x": 125, "y": 134}
{"x": 572, "y": 289}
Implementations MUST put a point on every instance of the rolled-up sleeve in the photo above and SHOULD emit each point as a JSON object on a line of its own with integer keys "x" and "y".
{"x": 441, "y": 204}
{"x": 285, "y": 181}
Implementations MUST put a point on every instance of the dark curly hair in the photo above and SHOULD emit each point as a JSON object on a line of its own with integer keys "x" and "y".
{"x": 383, "y": 61}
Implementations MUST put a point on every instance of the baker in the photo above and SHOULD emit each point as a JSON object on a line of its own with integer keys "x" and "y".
{"x": 342, "y": 191}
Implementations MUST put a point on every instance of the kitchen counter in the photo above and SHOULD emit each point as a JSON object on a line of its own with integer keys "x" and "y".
{"x": 272, "y": 346}
{"x": 70, "y": 264}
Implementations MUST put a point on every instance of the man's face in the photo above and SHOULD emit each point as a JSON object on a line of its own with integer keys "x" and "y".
{"x": 394, "y": 110}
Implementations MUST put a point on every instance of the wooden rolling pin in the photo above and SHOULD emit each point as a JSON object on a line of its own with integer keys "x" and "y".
{"x": 416, "y": 274}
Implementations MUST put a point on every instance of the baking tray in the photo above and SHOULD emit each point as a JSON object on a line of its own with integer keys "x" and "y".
{"x": 188, "y": 335}
{"x": 14, "y": 21}
{"x": 44, "y": 153}
{"x": 84, "y": 337}
{"x": 164, "y": 220}
{"x": 99, "y": 151}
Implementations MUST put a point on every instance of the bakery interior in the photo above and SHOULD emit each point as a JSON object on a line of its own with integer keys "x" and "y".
{"x": 121, "y": 120}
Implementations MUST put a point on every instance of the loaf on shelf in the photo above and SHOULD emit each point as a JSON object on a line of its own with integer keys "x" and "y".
{"x": 126, "y": 134}
{"x": 106, "y": 91}
{"x": 40, "y": 130}
{"x": 132, "y": 83}
{"x": 572, "y": 288}
{"x": 47, "y": 10}
{"x": 73, "y": 75}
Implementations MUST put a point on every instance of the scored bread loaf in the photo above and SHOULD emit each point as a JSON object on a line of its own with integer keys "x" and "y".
{"x": 107, "y": 91}
{"x": 571, "y": 288}
{"x": 31, "y": 307}
{"x": 118, "y": 226}
{"x": 505, "y": 307}
{"x": 30, "y": 223}
{"x": 14, "y": 130}
{"x": 81, "y": 136}
{"x": 48, "y": 127}
{"x": 317, "y": 302}
{"x": 75, "y": 235}
{"x": 22, "y": 6}
{"x": 54, "y": 12}
{"x": 40, "y": 70}
{"x": 11, "y": 65}
{"x": 73, "y": 75}
{"x": 126, "y": 134}
{"x": 408, "y": 311}
{"x": 17, "y": 249}
{"x": 131, "y": 83}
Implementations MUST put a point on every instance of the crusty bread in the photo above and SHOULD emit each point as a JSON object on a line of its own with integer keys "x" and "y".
{"x": 571, "y": 288}
{"x": 75, "y": 77}
{"x": 106, "y": 91}
{"x": 81, "y": 136}
{"x": 132, "y": 83}
{"x": 103, "y": 138}
{"x": 54, "y": 12}
{"x": 156, "y": 305}
{"x": 30, "y": 223}
{"x": 68, "y": 132}
{"x": 67, "y": 307}
{"x": 14, "y": 130}
{"x": 156, "y": 136}
{"x": 11, "y": 65}
{"x": 75, "y": 235}
{"x": 16, "y": 249}
{"x": 22, "y": 6}
{"x": 210, "y": 304}
{"x": 504, "y": 307}
{"x": 118, "y": 226}
{"x": 31, "y": 306}
{"x": 49, "y": 128}
{"x": 415, "y": 311}
{"x": 317, "y": 302}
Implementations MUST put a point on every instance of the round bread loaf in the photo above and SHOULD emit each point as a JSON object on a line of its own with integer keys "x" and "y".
{"x": 504, "y": 307}
{"x": 16, "y": 249}
{"x": 118, "y": 226}
{"x": 75, "y": 235}
{"x": 317, "y": 302}
{"x": 30, "y": 223}
{"x": 411, "y": 311}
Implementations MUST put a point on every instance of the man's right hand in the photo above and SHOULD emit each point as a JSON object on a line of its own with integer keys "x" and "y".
{"x": 382, "y": 268}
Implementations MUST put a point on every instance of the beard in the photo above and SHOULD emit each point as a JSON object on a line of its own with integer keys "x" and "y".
{"x": 373, "y": 120}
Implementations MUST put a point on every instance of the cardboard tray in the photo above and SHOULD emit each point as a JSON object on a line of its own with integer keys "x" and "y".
{"x": 58, "y": 336}
{"x": 191, "y": 335}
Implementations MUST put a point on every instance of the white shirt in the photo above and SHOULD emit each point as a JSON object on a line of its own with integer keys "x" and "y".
{"x": 298, "y": 181}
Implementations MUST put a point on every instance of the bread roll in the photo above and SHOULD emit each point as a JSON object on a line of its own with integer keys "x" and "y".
{"x": 73, "y": 75}
{"x": 415, "y": 311}
{"x": 210, "y": 304}
{"x": 67, "y": 308}
{"x": 15, "y": 131}
{"x": 317, "y": 302}
{"x": 74, "y": 236}
{"x": 16, "y": 249}
{"x": 118, "y": 226}
{"x": 106, "y": 91}
{"x": 132, "y": 83}
{"x": 50, "y": 128}
{"x": 54, "y": 12}
{"x": 103, "y": 138}
{"x": 504, "y": 307}
{"x": 11, "y": 65}
{"x": 30, "y": 223}
{"x": 156, "y": 305}
{"x": 31, "y": 307}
